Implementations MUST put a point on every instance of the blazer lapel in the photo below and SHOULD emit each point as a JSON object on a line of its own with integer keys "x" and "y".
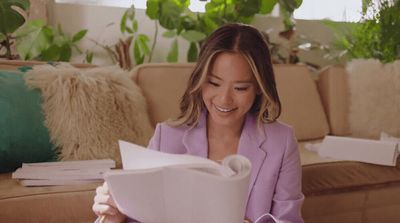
{"x": 250, "y": 143}
{"x": 195, "y": 138}
{"x": 251, "y": 140}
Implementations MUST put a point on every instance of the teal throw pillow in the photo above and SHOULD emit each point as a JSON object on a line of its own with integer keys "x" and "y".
{"x": 23, "y": 135}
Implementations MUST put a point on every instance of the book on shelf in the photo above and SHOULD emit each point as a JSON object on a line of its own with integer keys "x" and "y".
{"x": 62, "y": 172}
{"x": 175, "y": 188}
{"x": 381, "y": 152}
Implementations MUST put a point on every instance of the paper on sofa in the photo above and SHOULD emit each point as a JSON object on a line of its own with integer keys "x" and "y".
{"x": 62, "y": 172}
{"x": 175, "y": 188}
{"x": 363, "y": 150}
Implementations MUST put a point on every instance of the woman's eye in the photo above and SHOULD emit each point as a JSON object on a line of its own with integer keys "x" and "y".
{"x": 241, "y": 88}
{"x": 213, "y": 83}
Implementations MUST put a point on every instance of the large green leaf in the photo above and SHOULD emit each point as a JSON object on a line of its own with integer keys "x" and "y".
{"x": 31, "y": 39}
{"x": 129, "y": 14}
{"x": 139, "y": 58}
{"x": 290, "y": 5}
{"x": 170, "y": 15}
{"x": 247, "y": 8}
{"x": 193, "y": 36}
{"x": 267, "y": 6}
{"x": 143, "y": 42}
{"x": 192, "y": 52}
{"x": 173, "y": 52}
{"x": 65, "y": 52}
{"x": 122, "y": 24}
{"x": 10, "y": 19}
{"x": 51, "y": 54}
{"x": 153, "y": 9}
{"x": 79, "y": 35}
{"x": 169, "y": 34}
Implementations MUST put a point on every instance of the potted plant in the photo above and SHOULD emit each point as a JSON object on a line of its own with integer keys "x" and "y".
{"x": 32, "y": 40}
{"x": 179, "y": 21}
{"x": 10, "y": 20}
{"x": 372, "y": 71}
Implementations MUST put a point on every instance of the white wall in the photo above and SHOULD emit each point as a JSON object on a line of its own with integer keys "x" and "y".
{"x": 97, "y": 20}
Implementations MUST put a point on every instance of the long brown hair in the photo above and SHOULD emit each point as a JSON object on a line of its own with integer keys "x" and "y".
{"x": 233, "y": 38}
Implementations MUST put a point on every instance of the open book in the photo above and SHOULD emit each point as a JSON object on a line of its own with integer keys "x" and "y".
{"x": 156, "y": 187}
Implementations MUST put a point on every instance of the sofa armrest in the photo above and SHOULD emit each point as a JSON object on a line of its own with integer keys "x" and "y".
{"x": 334, "y": 92}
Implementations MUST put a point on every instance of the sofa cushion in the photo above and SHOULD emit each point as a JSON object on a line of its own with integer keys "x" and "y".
{"x": 334, "y": 92}
{"x": 163, "y": 86}
{"x": 88, "y": 111}
{"x": 23, "y": 135}
{"x": 374, "y": 98}
{"x": 301, "y": 104}
{"x": 71, "y": 203}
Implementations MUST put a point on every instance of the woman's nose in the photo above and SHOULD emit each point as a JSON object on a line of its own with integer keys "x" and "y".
{"x": 226, "y": 96}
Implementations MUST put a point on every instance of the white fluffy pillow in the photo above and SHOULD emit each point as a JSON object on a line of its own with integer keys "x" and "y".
{"x": 374, "y": 98}
{"x": 88, "y": 111}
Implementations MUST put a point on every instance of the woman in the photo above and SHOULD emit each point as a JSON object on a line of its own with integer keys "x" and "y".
{"x": 230, "y": 106}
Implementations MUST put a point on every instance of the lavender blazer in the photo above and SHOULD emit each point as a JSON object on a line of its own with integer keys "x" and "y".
{"x": 275, "y": 183}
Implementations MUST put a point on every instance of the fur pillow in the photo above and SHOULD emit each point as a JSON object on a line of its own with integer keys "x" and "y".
{"x": 88, "y": 111}
{"x": 374, "y": 98}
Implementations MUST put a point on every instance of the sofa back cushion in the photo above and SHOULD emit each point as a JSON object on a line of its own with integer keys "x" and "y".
{"x": 301, "y": 104}
{"x": 163, "y": 86}
{"x": 334, "y": 92}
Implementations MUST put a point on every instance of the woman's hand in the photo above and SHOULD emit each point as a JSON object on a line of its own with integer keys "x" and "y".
{"x": 104, "y": 206}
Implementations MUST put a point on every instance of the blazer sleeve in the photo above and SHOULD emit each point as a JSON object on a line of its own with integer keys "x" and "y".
{"x": 288, "y": 198}
{"x": 154, "y": 143}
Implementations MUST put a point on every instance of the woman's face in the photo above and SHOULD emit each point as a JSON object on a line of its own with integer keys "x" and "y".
{"x": 230, "y": 89}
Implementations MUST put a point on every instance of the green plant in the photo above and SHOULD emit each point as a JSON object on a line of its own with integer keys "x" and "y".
{"x": 120, "y": 52}
{"x": 10, "y": 20}
{"x": 35, "y": 40}
{"x": 375, "y": 36}
{"x": 179, "y": 21}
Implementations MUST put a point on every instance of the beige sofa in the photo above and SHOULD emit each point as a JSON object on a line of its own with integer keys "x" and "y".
{"x": 336, "y": 191}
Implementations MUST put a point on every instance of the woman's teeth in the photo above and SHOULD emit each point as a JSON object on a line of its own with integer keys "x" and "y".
{"x": 224, "y": 109}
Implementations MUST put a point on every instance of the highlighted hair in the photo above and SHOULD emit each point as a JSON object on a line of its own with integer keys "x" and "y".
{"x": 233, "y": 38}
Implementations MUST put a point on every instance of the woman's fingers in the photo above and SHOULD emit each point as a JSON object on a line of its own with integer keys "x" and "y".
{"x": 102, "y": 189}
{"x": 104, "y": 209}
{"x": 103, "y": 196}
{"x": 103, "y": 202}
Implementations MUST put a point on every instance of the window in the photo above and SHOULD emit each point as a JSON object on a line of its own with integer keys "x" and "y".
{"x": 336, "y": 10}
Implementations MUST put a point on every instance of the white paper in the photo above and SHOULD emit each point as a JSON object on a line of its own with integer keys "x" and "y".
{"x": 363, "y": 150}
{"x": 173, "y": 188}
{"x": 62, "y": 172}
{"x": 54, "y": 182}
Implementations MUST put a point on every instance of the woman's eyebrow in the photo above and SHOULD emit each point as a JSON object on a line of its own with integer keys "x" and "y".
{"x": 240, "y": 82}
{"x": 215, "y": 76}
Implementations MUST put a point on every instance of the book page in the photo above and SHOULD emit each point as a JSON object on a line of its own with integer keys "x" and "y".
{"x": 135, "y": 157}
{"x": 176, "y": 191}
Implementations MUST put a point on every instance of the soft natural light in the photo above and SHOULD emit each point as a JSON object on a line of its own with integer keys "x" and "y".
{"x": 195, "y": 5}
{"x": 336, "y": 10}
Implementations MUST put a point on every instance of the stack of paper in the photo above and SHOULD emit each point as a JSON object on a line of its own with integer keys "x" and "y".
{"x": 363, "y": 150}
{"x": 63, "y": 172}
